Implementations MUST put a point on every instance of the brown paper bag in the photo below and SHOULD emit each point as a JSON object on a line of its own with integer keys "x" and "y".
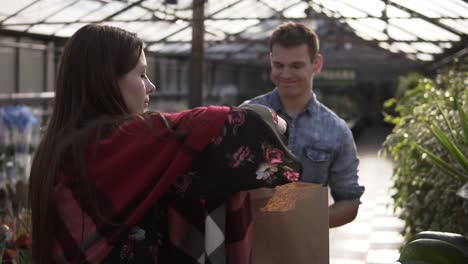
{"x": 290, "y": 224}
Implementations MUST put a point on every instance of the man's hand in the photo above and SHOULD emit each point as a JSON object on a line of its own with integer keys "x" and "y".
{"x": 342, "y": 212}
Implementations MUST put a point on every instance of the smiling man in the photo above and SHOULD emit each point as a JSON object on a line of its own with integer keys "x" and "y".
{"x": 317, "y": 135}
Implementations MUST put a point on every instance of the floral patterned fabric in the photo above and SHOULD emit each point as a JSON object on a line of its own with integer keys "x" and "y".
{"x": 249, "y": 153}
{"x": 204, "y": 218}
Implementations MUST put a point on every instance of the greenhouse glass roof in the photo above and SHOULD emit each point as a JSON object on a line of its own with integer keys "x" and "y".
{"x": 420, "y": 30}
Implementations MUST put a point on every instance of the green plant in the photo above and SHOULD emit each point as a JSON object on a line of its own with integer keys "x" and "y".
{"x": 447, "y": 140}
{"x": 429, "y": 149}
{"x": 407, "y": 82}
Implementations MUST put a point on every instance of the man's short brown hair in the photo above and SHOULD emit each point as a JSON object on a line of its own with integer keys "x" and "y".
{"x": 292, "y": 34}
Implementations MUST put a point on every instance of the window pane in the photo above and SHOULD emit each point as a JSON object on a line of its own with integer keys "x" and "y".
{"x": 232, "y": 27}
{"x": 75, "y": 12}
{"x": 372, "y": 7}
{"x": 369, "y": 27}
{"x": 457, "y": 24}
{"x": 40, "y": 11}
{"x": 296, "y": 11}
{"x": 105, "y": 11}
{"x": 31, "y": 69}
{"x": 46, "y": 29}
{"x": 69, "y": 30}
{"x": 7, "y": 62}
{"x": 425, "y": 30}
{"x": 132, "y": 13}
{"x": 11, "y": 7}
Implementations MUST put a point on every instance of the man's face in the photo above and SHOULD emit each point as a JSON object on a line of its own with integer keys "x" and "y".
{"x": 292, "y": 70}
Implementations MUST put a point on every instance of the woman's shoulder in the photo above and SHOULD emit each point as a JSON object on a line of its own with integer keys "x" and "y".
{"x": 197, "y": 112}
{"x": 204, "y": 118}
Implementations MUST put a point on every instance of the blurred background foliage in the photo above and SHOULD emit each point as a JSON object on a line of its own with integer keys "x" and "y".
{"x": 424, "y": 193}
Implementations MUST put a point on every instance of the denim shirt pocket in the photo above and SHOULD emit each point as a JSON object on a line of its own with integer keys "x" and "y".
{"x": 316, "y": 166}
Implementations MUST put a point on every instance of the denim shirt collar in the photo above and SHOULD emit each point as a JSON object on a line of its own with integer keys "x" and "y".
{"x": 312, "y": 105}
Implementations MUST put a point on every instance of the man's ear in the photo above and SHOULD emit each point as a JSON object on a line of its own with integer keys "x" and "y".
{"x": 318, "y": 63}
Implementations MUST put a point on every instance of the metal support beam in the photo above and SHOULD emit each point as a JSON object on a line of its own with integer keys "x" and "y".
{"x": 45, "y": 69}
{"x": 13, "y": 33}
{"x": 50, "y": 67}
{"x": 197, "y": 58}
{"x": 17, "y": 69}
{"x": 179, "y": 74}
{"x": 157, "y": 19}
{"x": 327, "y": 39}
{"x": 30, "y": 46}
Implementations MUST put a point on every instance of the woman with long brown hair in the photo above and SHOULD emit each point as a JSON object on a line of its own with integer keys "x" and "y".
{"x": 111, "y": 183}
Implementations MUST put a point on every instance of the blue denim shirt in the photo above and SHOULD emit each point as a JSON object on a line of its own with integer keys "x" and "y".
{"x": 324, "y": 144}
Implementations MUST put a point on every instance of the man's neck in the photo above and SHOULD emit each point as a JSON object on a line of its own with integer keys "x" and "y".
{"x": 295, "y": 105}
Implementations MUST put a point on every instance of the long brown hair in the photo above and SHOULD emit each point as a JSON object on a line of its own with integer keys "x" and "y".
{"x": 87, "y": 97}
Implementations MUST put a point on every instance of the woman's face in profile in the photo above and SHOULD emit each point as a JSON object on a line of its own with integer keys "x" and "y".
{"x": 136, "y": 87}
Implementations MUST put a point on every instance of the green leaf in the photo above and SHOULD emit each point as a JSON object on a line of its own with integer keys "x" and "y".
{"x": 442, "y": 164}
{"x": 445, "y": 118}
{"x": 463, "y": 192}
{"x": 452, "y": 148}
{"x": 390, "y": 119}
{"x": 463, "y": 120}
{"x": 390, "y": 102}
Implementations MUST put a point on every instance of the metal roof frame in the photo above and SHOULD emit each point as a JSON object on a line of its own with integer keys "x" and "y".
{"x": 349, "y": 15}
